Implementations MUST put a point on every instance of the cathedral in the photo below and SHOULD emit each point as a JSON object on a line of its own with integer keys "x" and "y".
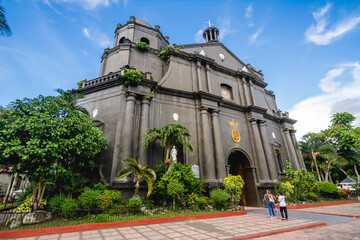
{"x": 234, "y": 121}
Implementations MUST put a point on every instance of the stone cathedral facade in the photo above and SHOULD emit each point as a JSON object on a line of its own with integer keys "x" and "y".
{"x": 235, "y": 124}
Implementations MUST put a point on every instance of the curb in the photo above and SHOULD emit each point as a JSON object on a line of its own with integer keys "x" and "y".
{"x": 333, "y": 214}
{"x": 76, "y": 228}
{"x": 281, "y": 231}
{"x": 320, "y": 204}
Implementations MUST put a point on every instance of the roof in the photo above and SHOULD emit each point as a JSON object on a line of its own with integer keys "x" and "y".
{"x": 348, "y": 180}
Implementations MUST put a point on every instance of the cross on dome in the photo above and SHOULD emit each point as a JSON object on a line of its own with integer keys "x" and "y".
{"x": 208, "y": 22}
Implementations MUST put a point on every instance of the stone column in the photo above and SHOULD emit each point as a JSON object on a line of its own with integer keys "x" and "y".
{"x": 118, "y": 141}
{"x": 297, "y": 150}
{"x": 246, "y": 91}
{"x": 241, "y": 92}
{"x": 293, "y": 158}
{"x": 218, "y": 147}
{"x": 198, "y": 68}
{"x": 260, "y": 157}
{"x": 208, "y": 77}
{"x": 128, "y": 126}
{"x": 252, "y": 93}
{"x": 144, "y": 124}
{"x": 269, "y": 156}
{"x": 206, "y": 143}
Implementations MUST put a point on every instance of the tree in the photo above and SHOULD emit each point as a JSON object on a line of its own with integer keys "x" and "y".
{"x": 4, "y": 27}
{"x": 169, "y": 135}
{"x": 138, "y": 172}
{"x": 346, "y": 140}
{"x": 233, "y": 186}
{"x": 309, "y": 147}
{"x": 48, "y": 139}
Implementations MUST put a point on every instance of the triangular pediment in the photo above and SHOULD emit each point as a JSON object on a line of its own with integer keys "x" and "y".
{"x": 222, "y": 56}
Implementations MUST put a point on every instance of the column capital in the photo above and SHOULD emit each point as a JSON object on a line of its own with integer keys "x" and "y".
{"x": 286, "y": 130}
{"x": 130, "y": 96}
{"x": 198, "y": 64}
{"x": 146, "y": 100}
{"x": 262, "y": 123}
{"x": 215, "y": 112}
{"x": 253, "y": 120}
{"x": 203, "y": 108}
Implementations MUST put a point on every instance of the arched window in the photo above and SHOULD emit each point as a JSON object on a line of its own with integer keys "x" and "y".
{"x": 145, "y": 40}
{"x": 122, "y": 40}
{"x": 226, "y": 91}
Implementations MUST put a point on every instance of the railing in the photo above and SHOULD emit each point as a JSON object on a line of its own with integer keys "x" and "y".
{"x": 10, "y": 220}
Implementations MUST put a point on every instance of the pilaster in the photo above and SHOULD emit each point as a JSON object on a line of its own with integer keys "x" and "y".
{"x": 144, "y": 125}
{"x": 218, "y": 146}
{"x": 206, "y": 143}
{"x": 269, "y": 156}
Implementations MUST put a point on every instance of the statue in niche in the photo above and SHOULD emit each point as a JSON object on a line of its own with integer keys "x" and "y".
{"x": 173, "y": 154}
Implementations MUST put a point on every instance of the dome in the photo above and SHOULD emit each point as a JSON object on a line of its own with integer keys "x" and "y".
{"x": 142, "y": 22}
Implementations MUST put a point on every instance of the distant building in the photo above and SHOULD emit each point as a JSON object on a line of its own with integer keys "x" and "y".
{"x": 348, "y": 183}
{"x": 235, "y": 124}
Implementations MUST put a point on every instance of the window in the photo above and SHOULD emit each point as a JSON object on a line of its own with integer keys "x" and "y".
{"x": 122, "y": 40}
{"x": 278, "y": 158}
{"x": 226, "y": 91}
{"x": 145, "y": 40}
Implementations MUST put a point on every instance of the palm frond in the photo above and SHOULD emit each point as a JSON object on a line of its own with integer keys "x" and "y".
{"x": 124, "y": 173}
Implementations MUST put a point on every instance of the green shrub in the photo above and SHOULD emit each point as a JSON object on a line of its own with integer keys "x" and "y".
{"x": 328, "y": 189}
{"x": 343, "y": 193}
{"x": 132, "y": 77}
{"x": 89, "y": 199}
{"x": 202, "y": 202}
{"x": 69, "y": 207}
{"x": 165, "y": 53}
{"x": 285, "y": 187}
{"x": 233, "y": 186}
{"x": 56, "y": 202}
{"x": 27, "y": 205}
{"x": 100, "y": 186}
{"x": 357, "y": 188}
{"x": 134, "y": 204}
{"x": 22, "y": 197}
{"x": 182, "y": 174}
{"x": 312, "y": 196}
{"x": 114, "y": 195}
{"x": 175, "y": 190}
{"x": 101, "y": 218}
{"x": 143, "y": 46}
{"x": 220, "y": 198}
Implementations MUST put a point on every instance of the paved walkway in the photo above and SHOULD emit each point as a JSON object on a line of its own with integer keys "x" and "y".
{"x": 344, "y": 209}
{"x": 255, "y": 222}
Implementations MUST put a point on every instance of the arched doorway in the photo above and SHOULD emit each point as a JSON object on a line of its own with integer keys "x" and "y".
{"x": 239, "y": 164}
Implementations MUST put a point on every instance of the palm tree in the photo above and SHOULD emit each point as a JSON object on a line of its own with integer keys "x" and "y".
{"x": 138, "y": 172}
{"x": 4, "y": 27}
{"x": 169, "y": 135}
{"x": 309, "y": 147}
{"x": 70, "y": 99}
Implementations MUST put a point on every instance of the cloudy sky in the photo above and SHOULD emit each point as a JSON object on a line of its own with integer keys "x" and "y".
{"x": 308, "y": 50}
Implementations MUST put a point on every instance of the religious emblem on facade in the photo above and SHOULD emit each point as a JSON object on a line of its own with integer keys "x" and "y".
{"x": 235, "y": 135}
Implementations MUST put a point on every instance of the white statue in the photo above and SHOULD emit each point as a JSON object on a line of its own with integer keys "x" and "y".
{"x": 173, "y": 154}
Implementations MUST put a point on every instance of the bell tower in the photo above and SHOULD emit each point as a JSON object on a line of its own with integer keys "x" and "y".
{"x": 211, "y": 34}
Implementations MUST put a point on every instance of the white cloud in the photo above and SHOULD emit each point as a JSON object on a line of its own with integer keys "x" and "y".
{"x": 199, "y": 36}
{"x": 313, "y": 114}
{"x": 97, "y": 38}
{"x": 252, "y": 38}
{"x": 224, "y": 27}
{"x": 87, "y": 4}
{"x": 327, "y": 84}
{"x": 249, "y": 11}
{"x": 86, "y": 32}
{"x": 318, "y": 33}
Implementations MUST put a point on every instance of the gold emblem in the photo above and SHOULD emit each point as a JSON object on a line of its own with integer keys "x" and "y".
{"x": 235, "y": 135}
{"x": 233, "y": 123}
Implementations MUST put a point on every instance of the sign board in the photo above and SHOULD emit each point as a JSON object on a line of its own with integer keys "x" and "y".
{"x": 196, "y": 170}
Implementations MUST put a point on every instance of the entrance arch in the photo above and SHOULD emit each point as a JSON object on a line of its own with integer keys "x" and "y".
{"x": 239, "y": 164}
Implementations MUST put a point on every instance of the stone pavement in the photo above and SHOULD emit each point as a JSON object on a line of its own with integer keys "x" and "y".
{"x": 352, "y": 209}
{"x": 256, "y": 221}
{"x": 214, "y": 228}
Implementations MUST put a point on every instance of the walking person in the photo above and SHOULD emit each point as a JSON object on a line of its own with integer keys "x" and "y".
{"x": 269, "y": 202}
{"x": 282, "y": 205}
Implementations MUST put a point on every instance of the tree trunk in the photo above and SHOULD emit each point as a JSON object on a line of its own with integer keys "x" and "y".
{"x": 347, "y": 175}
{"x": 322, "y": 176}
{"x": 316, "y": 166}
{"x": 137, "y": 186}
{"x": 9, "y": 189}
{"x": 357, "y": 173}
{"x": 327, "y": 171}
{"x": 13, "y": 185}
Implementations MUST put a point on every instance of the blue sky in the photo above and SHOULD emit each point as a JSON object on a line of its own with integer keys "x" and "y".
{"x": 308, "y": 50}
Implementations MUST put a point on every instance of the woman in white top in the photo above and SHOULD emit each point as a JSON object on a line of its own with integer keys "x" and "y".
{"x": 283, "y": 208}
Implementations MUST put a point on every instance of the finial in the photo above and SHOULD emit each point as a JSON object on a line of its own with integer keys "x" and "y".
{"x": 208, "y": 22}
